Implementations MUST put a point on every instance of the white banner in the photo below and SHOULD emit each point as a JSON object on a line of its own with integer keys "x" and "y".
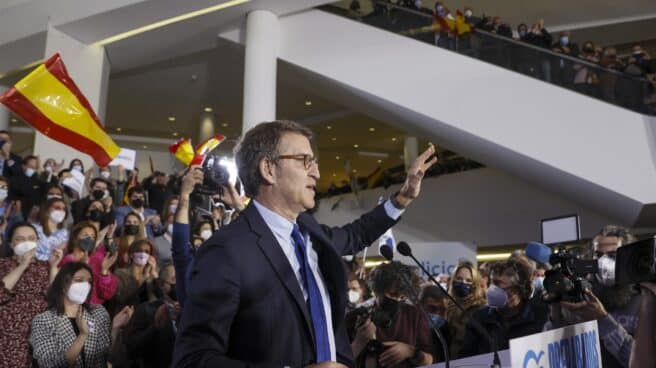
{"x": 571, "y": 346}
{"x": 125, "y": 157}
{"x": 436, "y": 257}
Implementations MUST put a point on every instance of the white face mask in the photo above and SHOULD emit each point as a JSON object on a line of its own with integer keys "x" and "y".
{"x": 3, "y": 194}
{"x": 29, "y": 172}
{"x": 206, "y": 234}
{"x": 48, "y": 168}
{"x": 606, "y": 273}
{"x": 105, "y": 174}
{"x": 51, "y": 196}
{"x": 77, "y": 167}
{"x": 140, "y": 258}
{"x": 24, "y": 247}
{"x": 353, "y": 296}
{"x": 169, "y": 228}
{"x": 78, "y": 292}
{"x": 468, "y": 13}
{"x": 57, "y": 216}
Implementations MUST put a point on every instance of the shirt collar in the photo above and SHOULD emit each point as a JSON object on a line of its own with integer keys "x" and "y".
{"x": 278, "y": 224}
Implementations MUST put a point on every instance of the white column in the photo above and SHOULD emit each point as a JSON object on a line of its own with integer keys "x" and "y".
{"x": 5, "y": 115}
{"x": 262, "y": 45}
{"x": 410, "y": 151}
{"x": 89, "y": 67}
{"x": 206, "y": 126}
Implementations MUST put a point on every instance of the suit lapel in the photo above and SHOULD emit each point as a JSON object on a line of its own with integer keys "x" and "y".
{"x": 279, "y": 262}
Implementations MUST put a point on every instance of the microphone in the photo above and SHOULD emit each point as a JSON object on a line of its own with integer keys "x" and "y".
{"x": 387, "y": 252}
{"x": 538, "y": 252}
{"x": 404, "y": 249}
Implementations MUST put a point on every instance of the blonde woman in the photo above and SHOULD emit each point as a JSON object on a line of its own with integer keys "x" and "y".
{"x": 465, "y": 287}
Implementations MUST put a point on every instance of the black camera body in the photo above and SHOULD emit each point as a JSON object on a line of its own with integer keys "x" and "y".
{"x": 380, "y": 318}
{"x": 566, "y": 281}
{"x": 216, "y": 176}
{"x": 636, "y": 262}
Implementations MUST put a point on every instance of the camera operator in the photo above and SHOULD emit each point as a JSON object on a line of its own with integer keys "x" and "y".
{"x": 615, "y": 307}
{"x": 510, "y": 313}
{"x": 392, "y": 333}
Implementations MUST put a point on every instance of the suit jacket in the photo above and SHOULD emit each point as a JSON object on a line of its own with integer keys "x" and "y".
{"x": 52, "y": 334}
{"x": 13, "y": 166}
{"x": 245, "y": 307}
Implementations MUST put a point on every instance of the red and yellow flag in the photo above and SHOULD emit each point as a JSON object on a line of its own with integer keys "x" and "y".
{"x": 51, "y": 103}
{"x": 184, "y": 151}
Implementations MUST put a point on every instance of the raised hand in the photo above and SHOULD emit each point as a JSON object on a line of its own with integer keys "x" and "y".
{"x": 412, "y": 186}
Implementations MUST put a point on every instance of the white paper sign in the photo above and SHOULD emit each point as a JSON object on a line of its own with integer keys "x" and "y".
{"x": 125, "y": 157}
{"x": 75, "y": 182}
{"x": 571, "y": 346}
{"x": 436, "y": 257}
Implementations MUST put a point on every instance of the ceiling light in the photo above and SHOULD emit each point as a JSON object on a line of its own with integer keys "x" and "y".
{"x": 171, "y": 118}
{"x": 372, "y": 129}
{"x": 355, "y": 171}
{"x": 168, "y": 21}
{"x": 225, "y": 125}
{"x": 393, "y": 139}
{"x": 492, "y": 256}
{"x": 380, "y": 161}
{"x": 118, "y": 129}
{"x": 207, "y": 109}
{"x": 144, "y": 146}
{"x": 333, "y": 139}
{"x": 308, "y": 103}
{"x": 334, "y": 175}
{"x": 328, "y": 127}
{"x": 356, "y": 146}
{"x": 14, "y": 120}
{"x": 336, "y": 157}
{"x": 175, "y": 134}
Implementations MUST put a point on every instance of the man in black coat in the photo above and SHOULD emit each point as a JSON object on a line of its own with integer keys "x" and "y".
{"x": 26, "y": 186}
{"x": 10, "y": 163}
{"x": 269, "y": 290}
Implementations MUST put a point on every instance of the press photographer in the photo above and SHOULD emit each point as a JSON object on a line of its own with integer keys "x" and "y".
{"x": 392, "y": 333}
{"x": 615, "y": 307}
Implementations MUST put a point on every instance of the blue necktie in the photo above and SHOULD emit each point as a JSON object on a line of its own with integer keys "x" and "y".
{"x": 315, "y": 303}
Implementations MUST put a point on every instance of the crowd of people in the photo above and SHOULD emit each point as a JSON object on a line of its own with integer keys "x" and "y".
{"x": 634, "y": 84}
{"x": 119, "y": 272}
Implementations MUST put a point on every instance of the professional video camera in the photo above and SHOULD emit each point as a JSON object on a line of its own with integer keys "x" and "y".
{"x": 636, "y": 262}
{"x": 566, "y": 281}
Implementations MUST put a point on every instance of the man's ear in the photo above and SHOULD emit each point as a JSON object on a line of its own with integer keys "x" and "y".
{"x": 267, "y": 171}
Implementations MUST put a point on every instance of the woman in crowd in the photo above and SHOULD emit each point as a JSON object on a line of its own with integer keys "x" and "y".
{"x": 102, "y": 220}
{"x": 358, "y": 293}
{"x": 10, "y": 211}
{"x": 54, "y": 191}
{"x": 72, "y": 332}
{"x": 133, "y": 229}
{"x": 24, "y": 283}
{"x": 82, "y": 247}
{"x": 135, "y": 281}
{"x": 465, "y": 288}
{"x": 50, "y": 228}
{"x": 76, "y": 164}
{"x": 49, "y": 173}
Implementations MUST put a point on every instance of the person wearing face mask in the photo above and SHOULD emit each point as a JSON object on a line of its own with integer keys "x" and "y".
{"x": 358, "y": 293}
{"x": 158, "y": 190}
{"x": 444, "y": 24}
{"x": 510, "y": 312}
{"x": 163, "y": 242}
{"x": 136, "y": 280}
{"x": 434, "y": 301}
{"x": 10, "y": 214}
{"x": 150, "y": 218}
{"x": 151, "y": 333}
{"x": 131, "y": 231}
{"x": 99, "y": 189}
{"x": 24, "y": 282}
{"x": 52, "y": 232}
{"x": 465, "y": 288}
{"x": 614, "y": 307}
{"x": 10, "y": 163}
{"x": 27, "y": 187}
{"x": 398, "y": 335}
{"x": 76, "y": 164}
{"x": 82, "y": 247}
{"x": 48, "y": 174}
{"x": 72, "y": 332}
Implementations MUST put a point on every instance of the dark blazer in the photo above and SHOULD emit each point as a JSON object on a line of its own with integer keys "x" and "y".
{"x": 245, "y": 307}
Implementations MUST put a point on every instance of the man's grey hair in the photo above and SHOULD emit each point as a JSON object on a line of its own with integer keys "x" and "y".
{"x": 259, "y": 143}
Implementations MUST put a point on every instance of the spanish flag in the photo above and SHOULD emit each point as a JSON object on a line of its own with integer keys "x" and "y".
{"x": 51, "y": 103}
{"x": 185, "y": 153}
{"x": 461, "y": 25}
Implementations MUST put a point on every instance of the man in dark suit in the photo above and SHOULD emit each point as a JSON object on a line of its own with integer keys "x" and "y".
{"x": 10, "y": 163}
{"x": 269, "y": 290}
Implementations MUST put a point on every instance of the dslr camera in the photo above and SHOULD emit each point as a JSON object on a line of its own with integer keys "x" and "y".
{"x": 636, "y": 262}
{"x": 380, "y": 318}
{"x": 216, "y": 176}
{"x": 566, "y": 281}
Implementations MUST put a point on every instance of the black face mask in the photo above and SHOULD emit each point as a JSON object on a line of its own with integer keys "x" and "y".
{"x": 86, "y": 244}
{"x": 98, "y": 194}
{"x": 96, "y": 215}
{"x": 390, "y": 306}
{"x": 131, "y": 229}
{"x": 137, "y": 203}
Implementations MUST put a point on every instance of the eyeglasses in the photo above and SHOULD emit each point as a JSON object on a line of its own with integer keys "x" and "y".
{"x": 307, "y": 159}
